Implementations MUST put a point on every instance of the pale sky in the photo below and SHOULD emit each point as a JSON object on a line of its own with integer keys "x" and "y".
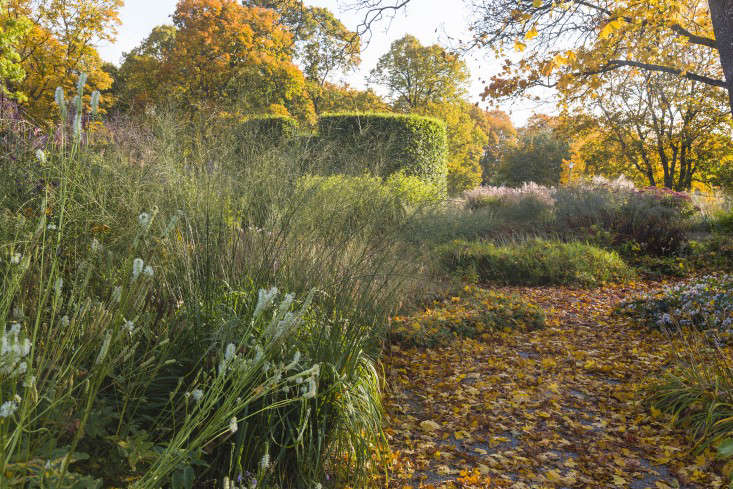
{"x": 431, "y": 21}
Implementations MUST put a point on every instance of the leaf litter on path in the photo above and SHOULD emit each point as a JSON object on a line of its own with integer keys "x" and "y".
{"x": 551, "y": 408}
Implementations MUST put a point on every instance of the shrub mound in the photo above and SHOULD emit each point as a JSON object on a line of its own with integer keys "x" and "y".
{"x": 723, "y": 222}
{"x": 704, "y": 303}
{"x": 612, "y": 214}
{"x": 386, "y": 143}
{"x": 535, "y": 262}
{"x": 473, "y": 314}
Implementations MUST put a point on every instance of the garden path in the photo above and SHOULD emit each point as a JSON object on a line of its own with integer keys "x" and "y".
{"x": 552, "y": 408}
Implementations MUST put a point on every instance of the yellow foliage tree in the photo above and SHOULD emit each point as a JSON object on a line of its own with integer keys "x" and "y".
{"x": 220, "y": 54}
{"x": 60, "y": 45}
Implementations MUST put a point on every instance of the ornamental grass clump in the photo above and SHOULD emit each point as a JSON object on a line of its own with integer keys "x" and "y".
{"x": 609, "y": 213}
{"x": 696, "y": 395}
{"x": 175, "y": 318}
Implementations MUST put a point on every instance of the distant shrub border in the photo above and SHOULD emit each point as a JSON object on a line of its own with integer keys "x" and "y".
{"x": 412, "y": 144}
{"x": 270, "y": 129}
{"x": 535, "y": 262}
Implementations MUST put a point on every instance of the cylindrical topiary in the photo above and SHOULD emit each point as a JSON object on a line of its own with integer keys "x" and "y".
{"x": 269, "y": 129}
{"x": 384, "y": 144}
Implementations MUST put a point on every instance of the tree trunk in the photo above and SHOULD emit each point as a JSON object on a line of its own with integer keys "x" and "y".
{"x": 721, "y": 13}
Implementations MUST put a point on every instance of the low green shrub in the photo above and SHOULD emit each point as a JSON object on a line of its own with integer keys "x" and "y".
{"x": 474, "y": 313}
{"x": 413, "y": 191}
{"x": 536, "y": 262}
{"x": 383, "y": 144}
{"x": 723, "y": 222}
{"x": 704, "y": 303}
{"x": 714, "y": 253}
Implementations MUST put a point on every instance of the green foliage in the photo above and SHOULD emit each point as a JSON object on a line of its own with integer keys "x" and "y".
{"x": 384, "y": 144}
{"x": 133, "y": 273}
{"x": 723, "y": 222}
{"x": 695, "y": 393}
{"x": 416, "y": 75}
{"x": 414, "y": 192}
{"x": 704, "y": 303}
{"x": 713, "y": 253}
{"x": 536, "y": 262}
{"x": 12, "y": 29}
{"x": 363, "y": 202}
{"x": 269, "y": 129}
{"x": 474, "y": 313}
{"x": 536, "y": 157}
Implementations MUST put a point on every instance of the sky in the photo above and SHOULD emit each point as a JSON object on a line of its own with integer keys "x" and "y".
{"x": 431, "y": 21}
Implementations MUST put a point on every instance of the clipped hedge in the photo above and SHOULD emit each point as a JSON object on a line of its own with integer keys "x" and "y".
{"x": 535, "y": 262}
{"x": 269, "y": 129}
{"x": 384, "y": 144}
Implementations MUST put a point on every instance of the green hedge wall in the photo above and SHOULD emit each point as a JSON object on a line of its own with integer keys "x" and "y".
{"x": 270, "y": 129}
{"x": 386, "y": 143}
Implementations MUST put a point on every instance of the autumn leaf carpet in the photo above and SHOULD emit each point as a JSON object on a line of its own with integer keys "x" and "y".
{"x": 551, "y": 408}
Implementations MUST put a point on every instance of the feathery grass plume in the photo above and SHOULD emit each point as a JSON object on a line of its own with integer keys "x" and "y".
{"x": 94, "y": 103}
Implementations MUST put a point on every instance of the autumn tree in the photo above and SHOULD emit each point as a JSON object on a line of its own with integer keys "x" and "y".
{"x": 12, "y": 30}
{"x": 59, "y": 45}
{"x": 428, "y": 80}
{"x": 573, "y": 43}
{"x": 654, "y": 128}
{"x": 322, "y": 45}
{"x": 472, "y": 132}
{"x": 343, "y": 98}
{"x": 415, "y": 75}
{"x": 227, "y": 54}
{"x": 146, "y": 70}
{"x": 501, "y": 134}
{"x": 217, "y": 54}
{"x": 536, "y": 155}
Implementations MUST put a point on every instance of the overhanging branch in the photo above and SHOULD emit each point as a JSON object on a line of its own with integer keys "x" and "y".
{"x": 694, "y": 38}
{"x": 618, "y": 63}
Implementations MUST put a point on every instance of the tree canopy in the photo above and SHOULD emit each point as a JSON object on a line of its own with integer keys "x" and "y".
{"x": 12, "y": 29}
{"x": 58, "y": 45}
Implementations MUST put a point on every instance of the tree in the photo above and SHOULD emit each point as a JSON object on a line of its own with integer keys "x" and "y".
{"x": 416, "y": 75}
{"x": 144, "y": 71}
{"x": 575, "y": 42}
{"x": 225, "y": 52}
{"x": 656, "y": 129}
{"x": 12, "y": 30}
{"x": 323, "y": 46}
{"x": 501, "y": 134}
{"x": 59, "y": 45}
{"x": 220, "y": 54}
{"x": 472, "y": 132}
{"x": 342, "y": 98}
{"x": 430, "y": 81}
{"x": 654, "y": 126}
{"x": 537, "y": 155}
